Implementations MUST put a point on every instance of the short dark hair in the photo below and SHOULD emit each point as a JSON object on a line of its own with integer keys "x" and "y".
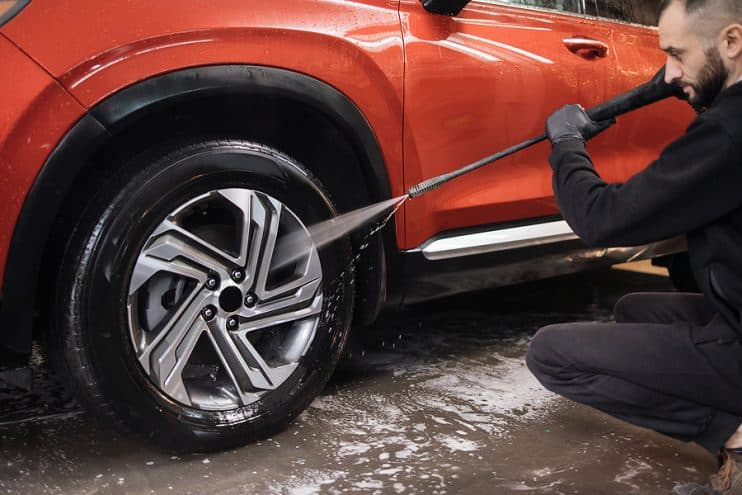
{"x": 716, "y": 13}
{"x": 690, "y": 5}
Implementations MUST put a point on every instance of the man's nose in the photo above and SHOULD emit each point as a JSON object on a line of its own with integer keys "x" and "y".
{"x": 672, "y": 71}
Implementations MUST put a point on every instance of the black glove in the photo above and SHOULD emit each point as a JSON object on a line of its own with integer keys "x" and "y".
{"x": 573, "y": 122}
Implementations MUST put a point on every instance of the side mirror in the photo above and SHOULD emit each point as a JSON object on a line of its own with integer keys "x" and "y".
{"x": 444, "y": 7}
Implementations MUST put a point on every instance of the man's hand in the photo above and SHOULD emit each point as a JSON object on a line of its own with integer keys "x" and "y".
{"x": 573, "y": 122}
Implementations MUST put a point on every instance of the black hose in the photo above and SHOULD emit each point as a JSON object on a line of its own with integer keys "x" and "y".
{"x": 430, "y": 184}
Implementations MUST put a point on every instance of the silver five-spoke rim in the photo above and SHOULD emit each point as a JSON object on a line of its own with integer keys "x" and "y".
{"x": 218, "y": 313}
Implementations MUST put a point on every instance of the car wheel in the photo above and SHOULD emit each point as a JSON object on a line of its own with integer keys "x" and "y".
{"x": 193, "y": 305}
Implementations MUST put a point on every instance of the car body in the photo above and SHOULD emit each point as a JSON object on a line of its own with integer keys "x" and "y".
{"x": 371, "y": 96}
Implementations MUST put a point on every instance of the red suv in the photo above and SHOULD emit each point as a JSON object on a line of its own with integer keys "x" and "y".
{"x": 157, "y": 156}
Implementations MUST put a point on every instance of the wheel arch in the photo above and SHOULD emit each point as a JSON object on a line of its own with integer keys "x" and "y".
{"x": 197, "y": 98}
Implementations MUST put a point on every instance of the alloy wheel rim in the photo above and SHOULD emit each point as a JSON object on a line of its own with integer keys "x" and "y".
{"x": 224, "y": 299}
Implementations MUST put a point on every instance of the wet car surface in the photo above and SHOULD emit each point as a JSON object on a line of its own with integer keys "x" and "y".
{"x": 435, "y": 399}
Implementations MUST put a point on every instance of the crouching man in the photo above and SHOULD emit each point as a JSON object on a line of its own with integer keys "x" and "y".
{"x": 671, "y": 362}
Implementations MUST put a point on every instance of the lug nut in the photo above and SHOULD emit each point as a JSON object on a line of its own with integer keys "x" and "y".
{"x": 250, "y": 300}
{"x": 232, "y": 323}
{"x": 238, "y": 275}
{"x": 209, "y": 312}
{"x": 212, "y": 282}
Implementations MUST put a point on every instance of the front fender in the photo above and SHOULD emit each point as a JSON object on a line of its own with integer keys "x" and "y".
{"x": 353, "y": 46}
{"x": 94, "y": 130}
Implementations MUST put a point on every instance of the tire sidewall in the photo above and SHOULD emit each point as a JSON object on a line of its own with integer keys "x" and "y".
{"x": 119, "y": 223}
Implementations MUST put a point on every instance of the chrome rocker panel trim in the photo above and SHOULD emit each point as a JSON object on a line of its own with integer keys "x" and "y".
{"x": 495, "y": 240}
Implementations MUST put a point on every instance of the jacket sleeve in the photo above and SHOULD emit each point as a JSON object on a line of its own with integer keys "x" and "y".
{"x": 696, "y": 180}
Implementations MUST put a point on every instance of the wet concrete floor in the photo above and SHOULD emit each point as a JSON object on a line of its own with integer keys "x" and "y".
{"x": 436, "y": 399}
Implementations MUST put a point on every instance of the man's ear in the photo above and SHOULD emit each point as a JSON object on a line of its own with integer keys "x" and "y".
{"x": 732, "y": 41}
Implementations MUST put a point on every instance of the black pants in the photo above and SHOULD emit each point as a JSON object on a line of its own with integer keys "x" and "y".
{"x": 668, "y": 363}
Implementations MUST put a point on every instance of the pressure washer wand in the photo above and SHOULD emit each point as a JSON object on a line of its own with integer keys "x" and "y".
{"x": 654, "y": 90}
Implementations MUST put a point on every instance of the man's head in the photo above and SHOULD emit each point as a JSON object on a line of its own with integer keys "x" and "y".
{"x": 703, "y": 42}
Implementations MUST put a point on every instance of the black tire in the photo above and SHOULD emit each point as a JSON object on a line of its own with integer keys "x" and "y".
{"x": 93, "y": 300}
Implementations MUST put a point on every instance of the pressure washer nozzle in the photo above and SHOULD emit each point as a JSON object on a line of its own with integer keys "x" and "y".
{"x": 419, "y": 189}
{"x": 422, "y": 188}
{"x": 429, "y": 185}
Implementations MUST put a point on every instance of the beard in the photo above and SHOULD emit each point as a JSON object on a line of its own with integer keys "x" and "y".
{"x": 711, "y": 80}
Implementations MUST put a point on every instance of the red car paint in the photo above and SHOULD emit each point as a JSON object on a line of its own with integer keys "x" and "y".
{"x": 437, "y": 91}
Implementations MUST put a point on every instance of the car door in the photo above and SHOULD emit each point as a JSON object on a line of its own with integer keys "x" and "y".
{"x": 639, "y": 136}
{"x": 482, "y": 81}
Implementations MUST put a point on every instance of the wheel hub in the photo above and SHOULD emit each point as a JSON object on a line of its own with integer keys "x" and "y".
{"x": 219, "y": 349}
{"x": 230, "y": 299}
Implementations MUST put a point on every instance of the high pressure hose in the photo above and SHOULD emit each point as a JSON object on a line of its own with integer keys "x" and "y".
{"x": 655, "y": 89}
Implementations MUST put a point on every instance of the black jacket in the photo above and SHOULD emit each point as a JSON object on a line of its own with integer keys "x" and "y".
{"x": 693, "y": 188}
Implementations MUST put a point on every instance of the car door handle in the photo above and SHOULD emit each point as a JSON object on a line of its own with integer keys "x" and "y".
{"x": 586, "y": 48}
